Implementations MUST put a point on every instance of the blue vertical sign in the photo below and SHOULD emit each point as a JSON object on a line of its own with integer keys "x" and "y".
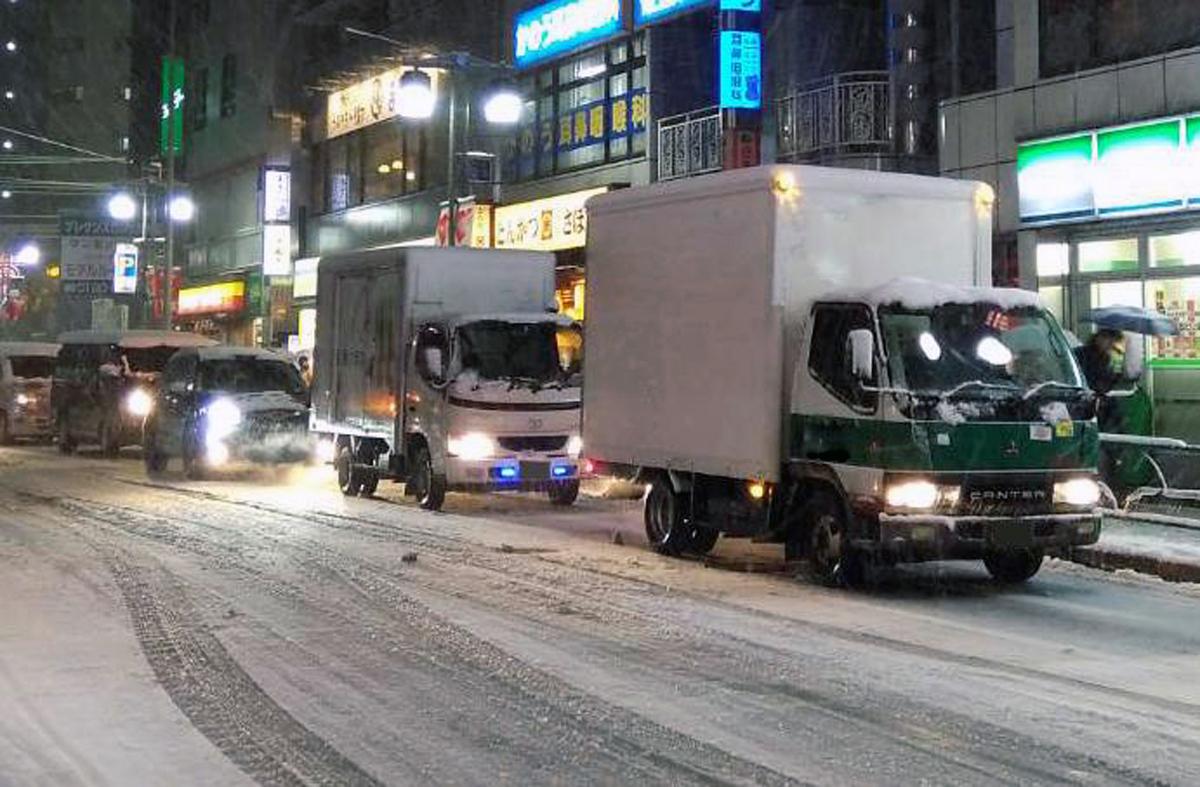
{"x": 741, "y": 70}
{"x": 753, "y": 6}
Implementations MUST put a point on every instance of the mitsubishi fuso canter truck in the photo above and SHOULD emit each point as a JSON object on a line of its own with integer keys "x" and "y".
{"x": 812, "y": 356}
{"x": 447, "y": 369}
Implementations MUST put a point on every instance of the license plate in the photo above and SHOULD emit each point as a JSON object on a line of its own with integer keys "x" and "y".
{"x": 535, "y": 471}
{"x": 1011, "y": 534}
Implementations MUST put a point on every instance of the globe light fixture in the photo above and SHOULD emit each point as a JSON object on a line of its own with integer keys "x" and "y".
{"x": 29, "y": 254}
{"x": 181, "y": 208}
{"x": 415, "y": 97}
{"x": 122, "y": 207}
{"x": 503, "y": 106}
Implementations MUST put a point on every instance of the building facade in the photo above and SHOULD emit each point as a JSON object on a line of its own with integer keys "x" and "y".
{"x": 1090, "y": 141}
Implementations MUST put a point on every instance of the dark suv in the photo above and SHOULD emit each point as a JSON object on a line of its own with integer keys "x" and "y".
{"x": 219, "y": 405}
{"x": 104, "y": 384}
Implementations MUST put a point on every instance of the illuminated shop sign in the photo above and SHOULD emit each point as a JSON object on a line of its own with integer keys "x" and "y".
{"x": 304, "y": 278}
{"x": 560, "y": 26}
{"x": 228, "y": 296}
{"x": 369, "y": 101}
{"x": 741, "y": 70}
{"x": 550, "y": 224}
{"x": 277, "y": 195}
{"x": 125, "y": 268}
{"x": 1118, "y": 171}
{"x": 590, "y": 124}
{"x": 647, "y": 11}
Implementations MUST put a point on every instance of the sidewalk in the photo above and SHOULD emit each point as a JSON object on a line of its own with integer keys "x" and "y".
{"x": 1142, "y": 544}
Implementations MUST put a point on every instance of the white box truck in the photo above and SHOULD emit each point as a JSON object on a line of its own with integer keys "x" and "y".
{"x": 806, "y": 355}
{"x": 447, "y": 369}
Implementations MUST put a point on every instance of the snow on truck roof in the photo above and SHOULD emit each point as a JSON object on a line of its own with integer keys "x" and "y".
{"x": 45, "y": 349}
{"x": 135, "y": 340}
{"x": 225, "y": 352}
{"x": 913, "y": 293}
{"x": 799, "y": 179}
{"x": 513, "y": 317}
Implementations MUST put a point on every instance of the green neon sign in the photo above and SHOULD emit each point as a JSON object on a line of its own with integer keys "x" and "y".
{"x": 170, "y": 122}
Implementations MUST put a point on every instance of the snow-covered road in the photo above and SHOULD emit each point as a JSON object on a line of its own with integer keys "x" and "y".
{"x": 268, "y": 630}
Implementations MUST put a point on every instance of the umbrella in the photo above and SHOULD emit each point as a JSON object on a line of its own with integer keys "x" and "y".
{"x": 1133, "y": 319}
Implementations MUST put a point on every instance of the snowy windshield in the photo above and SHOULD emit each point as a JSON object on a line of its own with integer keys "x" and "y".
{"x": 29, "y": 367}
{"x": 537, "y": 352}
{"x": 938, "y": 350}
{"x": 250, "y": 375}
{"x": 148, "y": 359}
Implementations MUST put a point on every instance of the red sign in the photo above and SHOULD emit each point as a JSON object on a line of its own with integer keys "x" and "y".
{"x": 742, "y": 148}
{"x": 156, "y": 288}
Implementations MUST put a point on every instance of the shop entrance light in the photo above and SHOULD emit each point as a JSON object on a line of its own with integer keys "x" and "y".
{"x": 503, "y": 106}
{"x": 416, "y": 99}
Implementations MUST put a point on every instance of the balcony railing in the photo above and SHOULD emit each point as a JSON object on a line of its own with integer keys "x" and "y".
{"x": 844, "y": 114}
{"x": 689, "y": 144}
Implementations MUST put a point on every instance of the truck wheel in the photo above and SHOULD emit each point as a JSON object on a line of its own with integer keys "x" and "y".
{"x": 831, "y": 559}
{"x": 667, "y": 528}
{"x": 193, "y": 463}
{"x": 427, "y": 487}
{"x": 110, "y": 438}
{"x": 350, "y": 480}
{"x": 155, "y": 459}
{"x": 703, "y": 540}
{"x": 370, "y": 482}
{"x": 66, "y": 443}
{"x": 563, "y": 493}
{"x": 5, "y": 434}
{"x": 1015, "y": 566}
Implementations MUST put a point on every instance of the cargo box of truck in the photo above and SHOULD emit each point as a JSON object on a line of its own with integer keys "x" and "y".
{"x": 722, "y": 315}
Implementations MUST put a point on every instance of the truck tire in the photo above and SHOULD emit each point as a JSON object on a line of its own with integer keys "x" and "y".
{"x": 831, "y": 559}
{"x": 563, "y": 493}
{"x": 426, "y": 486}
{"x": 667, "y": 528}
{"x": 703, "y": 540}
{"x": 5, "y": 432}
{"x": 350, "y": 479}
{"x": 66, "y": 443}
{"x": 1014, "y": 566}
{"x": 370, "y": 482}
{"x": 155, "y": 459}
{"x": 110, "y": 438}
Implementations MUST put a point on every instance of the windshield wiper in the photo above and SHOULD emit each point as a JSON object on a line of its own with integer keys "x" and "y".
{"x": 1037, "y": 389}
{"x": 956, "y": 390}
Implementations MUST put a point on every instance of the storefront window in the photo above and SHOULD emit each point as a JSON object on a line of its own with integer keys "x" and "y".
{"x": 1178, "y": 299}
{"x": 1053, "y": 259}
{"x": 338, "y": 197}
{"x": 1116, "y": 293}
{"x": 1108, "y": 256}
{"x": 385, "y": 171}
{"x": 1053, "y": 298}
{"x": 1173, "y": 251}
{"x": 379, "y": 162}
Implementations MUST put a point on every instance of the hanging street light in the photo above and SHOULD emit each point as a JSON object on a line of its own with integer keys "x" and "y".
{"x": 181, "y": 209}
{"x": 122, "y": 207}
{"x": 503, "y": 106}
{"x": 29, "y": 255}
{"x": 416, "y": 99}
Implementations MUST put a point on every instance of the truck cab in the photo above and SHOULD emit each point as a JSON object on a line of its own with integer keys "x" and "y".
{"x": 941, "y": 427}
{"x": 26, "y": 369}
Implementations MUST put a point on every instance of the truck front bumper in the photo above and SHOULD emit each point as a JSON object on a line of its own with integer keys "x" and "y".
{"x": 511, "y": 474}
{"x": 913, "y": 537}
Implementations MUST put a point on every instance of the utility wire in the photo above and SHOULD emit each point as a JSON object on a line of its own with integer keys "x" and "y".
{"x": 56, "y": 143}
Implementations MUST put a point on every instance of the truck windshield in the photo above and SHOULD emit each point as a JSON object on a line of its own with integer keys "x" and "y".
{"x": 538, "y": 352}
{"x": 250, "y": 375}
{"x": 148, "y": 359}
{"x": 29, "y": 367}
{"x": 976, "y": 349}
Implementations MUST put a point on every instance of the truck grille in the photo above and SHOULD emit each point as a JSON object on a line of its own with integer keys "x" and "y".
{"x": 1014, "y": 495}
{"x": 269, "y": 423}
{"x": 539, "y": 443}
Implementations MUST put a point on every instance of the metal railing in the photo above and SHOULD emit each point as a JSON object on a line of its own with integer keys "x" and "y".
{"x": 689, "y": 144}
{"x": 845, "y": 113}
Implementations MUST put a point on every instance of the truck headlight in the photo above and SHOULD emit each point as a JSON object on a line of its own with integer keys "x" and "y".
{"x": 139, "y": 403}
{"x": 1080, "y": 492}
{"x": 474, "y": 445}
{"x": 24, "y": 399}
{"x": 575, "y": 445}
{"x": 920, "y": 495}
{"x": 222, "y": 419}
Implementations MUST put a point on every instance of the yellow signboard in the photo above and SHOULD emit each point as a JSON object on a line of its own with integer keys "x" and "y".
{"x": 227, "y": 296}
{"x": 549, "y": 224}
{"x": 368, "y": 102}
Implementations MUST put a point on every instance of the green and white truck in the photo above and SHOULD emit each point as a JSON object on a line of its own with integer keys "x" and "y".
{"x": 809, "y": 356}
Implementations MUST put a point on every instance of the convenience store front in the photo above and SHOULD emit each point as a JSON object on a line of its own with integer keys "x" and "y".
{"x": 1114, "y": 219}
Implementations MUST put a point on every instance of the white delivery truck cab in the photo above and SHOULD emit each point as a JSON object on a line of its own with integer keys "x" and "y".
{"x": 447, "y": 369}
{"x": 807, "y": 355}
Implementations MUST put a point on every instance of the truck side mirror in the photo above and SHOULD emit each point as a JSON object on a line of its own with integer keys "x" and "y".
{"x": 860, "y": 350}
{"x": 434, "y": 366}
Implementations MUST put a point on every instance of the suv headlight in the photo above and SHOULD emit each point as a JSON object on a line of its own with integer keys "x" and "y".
{"x": 222, "y": 419}
{"x": 1079, "y": 492}
{"x": 575, "y": 445}
{"x": 139, "y": 403}
{"x": 471, "y": 446}
{"x": 24, "y": 400}
{"x": 920, "y": 495}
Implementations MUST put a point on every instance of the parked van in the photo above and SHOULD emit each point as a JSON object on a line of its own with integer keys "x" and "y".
{"x": 105, "y": 383}
{"x": 26, "y": 369}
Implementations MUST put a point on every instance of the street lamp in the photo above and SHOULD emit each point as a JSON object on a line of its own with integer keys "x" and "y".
{"x": 503, "y": 106}
{"x": 181, "y": 209}
{"x": 29, "y": 254}
{"x": 122, "y": 207}
{"x": 416, "y": 99}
